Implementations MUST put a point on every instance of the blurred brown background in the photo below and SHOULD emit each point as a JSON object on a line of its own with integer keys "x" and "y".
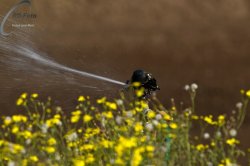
{"x": 180, "y": 42}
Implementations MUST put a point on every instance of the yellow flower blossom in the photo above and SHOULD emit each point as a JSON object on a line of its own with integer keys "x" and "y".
{"x": 50, "y": 149}
{"x": 89, "y": 158}
{"x": 221, "y": 120}
{"x": 106, "y": 143}
{"x": 139, "y": 92}
{"x": 209, "y": 120}
{"x": 232, "y": 141}
{"x": 150, "y": 148}
{"x": 173, "y": 125}
{"x": 164, "y": 125}
{"x": 75, "y": 118}
{"x": 138, "y": 127}
{"x": 136, "y": 84}
{"x": 51, "y": 141}
{"x": 17, "y": 148}
{"x": 248, "y": 93}
{"x": 87, "y": 118}
{"x": 87, "y": 147}
{"x": 34, "y": 95}
{"x": 151, "y": 114}
{"x": 101, "y": 101}
{"x": 76, "y": 113}
{"x": 212, "y": 143}
{"x": 26, "y": 134}
{"x": 108, "y": 114}
{"x": 81, "y": 99}
{"x": 119, "y": 161}
{"x": 78, "y": 162}
{"x": 1, "y": 142}
{"x": 19, "y": 101}
{"x": 57, "y": 116}
{"x": 19, "y": 118}
{"x": 144, "y": 104}
{"x": 15, "y": 129}
{"x": 33, "y": 158}
{"x": 173, "y": 108}
{"x": 7, "y": 121}
{"x": 111, "y": 105}
{"x": 167, "y": 117}
{"x": 137, "y": 157}
{"x": 200, "y": 147}
{"x": 24, "y": 95}
{"x": 195, "y": 117}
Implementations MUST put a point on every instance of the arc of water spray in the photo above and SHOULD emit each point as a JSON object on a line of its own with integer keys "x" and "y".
{"x": 32, "y": 55}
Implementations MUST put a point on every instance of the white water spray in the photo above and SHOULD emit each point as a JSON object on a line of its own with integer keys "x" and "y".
{"x": 29, "y": 53}
{"x": 32, "y": 55}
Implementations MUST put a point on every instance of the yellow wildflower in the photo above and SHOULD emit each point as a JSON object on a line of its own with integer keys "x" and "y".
{"x": 173, "y": 125}
{"x": 164, "y": 125}
{"x": 81, "y": 98}
{"x": 89, "y": 158}
{"x": 137, "y": 157}
{"x": 138, "y": 127}
{"x": 248, "y": 93}
{"x": 106, "y": 143}
{"x": 78, "y": 162}
{"x": 24, "y": 95}
{"x": 139, "y": 92}
{"x": 101, "y": 101}
{"x": 173, "y": 108}
{"x": 150, "y": 148}
{"x": 77, "y": 112}
{"x": 52, "y": 141}
{"x": 15, "y": 129}
{"x": 75, "y": 119}
{"x": 17, "y": 148}
{"x": 221, "y": 120}
{"x": 128, "y": 142}
{"x": 34, "y": 158}
{"x": 209, "y": 120}
{"x": 19, "y": 101}
{"x": 144, "y": 104}
{"x": 26, "y": 134}
{"x": 87, "y": 147}
{"x": 19, "y": 118}
{"x": 50, "y": 149}
{"x": 48, "y": 110}
{"x": 57, "y": 116}
{"x": 200, "y": 147}
{"x": 136, "y": 84}
{"x": 212, "y": 143}
{"x": 167, "y": 117}
{"x": 232, "y": 141}
{"x": 87, "y": 118}
{"x": 7, "y": 121}
{"x": 151, "y": 114}
{"x": 119, "y": 161}
{"x": 112, "y": 106}
{"x": 108, "y": 114}
{"x": 195, "y": 117}
{"x": 34, "y": 95}
{"x": 1, "y": 142}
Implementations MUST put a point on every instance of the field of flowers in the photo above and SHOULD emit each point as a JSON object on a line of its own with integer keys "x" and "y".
{"x": 120, "y": 132}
